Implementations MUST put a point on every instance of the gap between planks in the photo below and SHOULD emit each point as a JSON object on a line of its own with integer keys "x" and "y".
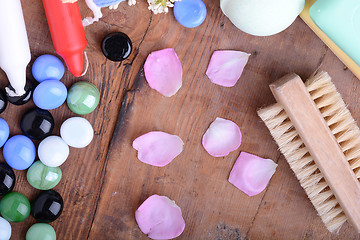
{"x": 259, "y": 206}
{"x": 120, "y": 116}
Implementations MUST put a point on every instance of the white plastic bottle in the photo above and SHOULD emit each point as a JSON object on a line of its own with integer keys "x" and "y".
{"x": 14, "y": 45}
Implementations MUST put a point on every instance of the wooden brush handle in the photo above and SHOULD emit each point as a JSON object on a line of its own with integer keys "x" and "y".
{"x": 291, "y": 93}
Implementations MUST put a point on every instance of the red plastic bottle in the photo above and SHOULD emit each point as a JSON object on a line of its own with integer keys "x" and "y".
{"x": 67, "y": 33}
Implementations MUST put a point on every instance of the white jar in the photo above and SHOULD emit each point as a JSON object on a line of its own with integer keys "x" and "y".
{"x": 262, "y": 17}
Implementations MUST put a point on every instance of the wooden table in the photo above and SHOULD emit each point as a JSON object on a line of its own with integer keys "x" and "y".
{"x": 104, "y": 183}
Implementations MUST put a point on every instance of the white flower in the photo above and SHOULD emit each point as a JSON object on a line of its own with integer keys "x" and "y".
{"x": 115, "y": 6}
{"x": 160, "y": 6}
{"x": 131, "y": 2}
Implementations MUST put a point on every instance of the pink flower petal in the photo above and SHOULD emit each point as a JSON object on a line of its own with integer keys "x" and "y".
{"x": 163, "y": 71}
{"x": 222, "y": 137}
{"x": 158, "y": 148}
{"x": 226, "y": 67}
{"x": 160, "y": 218}
{"x": 251, "y": 174}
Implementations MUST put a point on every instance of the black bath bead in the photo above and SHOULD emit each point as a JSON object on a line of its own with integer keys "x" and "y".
{"x": 20, "y": 100}
{"x": 37, "y": 123}
{"x": 3, "y": 101}
{"x": 116, "y": 46}
{"x": 7, "y": 179}
{"x": 47, "y": 207}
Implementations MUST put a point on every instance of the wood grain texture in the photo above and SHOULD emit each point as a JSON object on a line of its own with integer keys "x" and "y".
{"x": 105, "y": 183}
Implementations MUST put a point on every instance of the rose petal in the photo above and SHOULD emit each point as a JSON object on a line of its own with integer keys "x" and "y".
{"x": 222, "y": 137}
{"x": 163, "y": 71}
{"x": 251, "y": 174}
{"x": 226, "y": 67}
{"x": 158, "y": 148}
{"x": 160, "y": 218}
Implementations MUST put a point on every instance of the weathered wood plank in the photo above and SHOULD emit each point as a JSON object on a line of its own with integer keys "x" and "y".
{"x": 113, "y": 185}
{"x": 212, "y": 207}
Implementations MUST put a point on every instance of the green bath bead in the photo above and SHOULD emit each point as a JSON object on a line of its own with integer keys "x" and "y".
{"x": 15, "y": 207}
{"x": 43, "y": 177}
{"x": 83, "y": 98}
{"x": 41, "y": 231}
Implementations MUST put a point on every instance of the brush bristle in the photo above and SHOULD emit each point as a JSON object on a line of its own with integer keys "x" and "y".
{"x": 346, "y": 132}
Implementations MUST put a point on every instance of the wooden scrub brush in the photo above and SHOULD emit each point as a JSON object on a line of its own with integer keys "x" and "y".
{"x": 321, "y": 142}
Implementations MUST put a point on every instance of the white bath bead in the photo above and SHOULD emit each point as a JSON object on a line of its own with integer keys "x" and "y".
{"x": 5, "y": 229}
{"x": 262, "y": 17}
{"x": 77, "y": 132}
{"x": 53, "y": 151}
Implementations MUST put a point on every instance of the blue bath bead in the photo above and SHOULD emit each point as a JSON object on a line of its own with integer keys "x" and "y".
{"x": 19, "y": 152}
{"x": 48, "y": 67}
{"x": 106, "y": 3}
{"x": 190, "y": 13}
{"x": 50, "y": 94}
{"x": 4, "y": 132}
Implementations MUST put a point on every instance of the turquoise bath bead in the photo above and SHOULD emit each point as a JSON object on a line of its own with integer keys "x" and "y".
{"x": 83, "y": 98}
{"x": 15, "y": 207}
{"x": 43, "y": 177}
{"x": 41, "y": 231}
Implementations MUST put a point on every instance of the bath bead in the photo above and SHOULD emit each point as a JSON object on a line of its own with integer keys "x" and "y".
{"x": 106, "y": 3}
{"x": 4, "y": 132}
{"x": 7, "y": 179}
{"x": 41, "y": 231}
{"x": 116, "y": 46}
{"x": 50, "y": 94}
{"x": 43, "y": 177}
{"x": 47, "y": 67}
{"x": 20, "y": 100}
{"x": 37, "y": 123}
{"x": 5, "y": 229}
{"x": 47, "y": 207}
{"x": 190, "y": 13}
{"x": 19, "y": 152}
{"x": 3, "y": 101}
{"x": 15, "y": 207}
{"x": 83, "y": 98}
{"x": 77, "y": 132}
{"x": 53, "y": 151}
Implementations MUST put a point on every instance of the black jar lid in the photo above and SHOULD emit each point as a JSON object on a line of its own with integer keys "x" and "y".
{"x": 116, "y": 46}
